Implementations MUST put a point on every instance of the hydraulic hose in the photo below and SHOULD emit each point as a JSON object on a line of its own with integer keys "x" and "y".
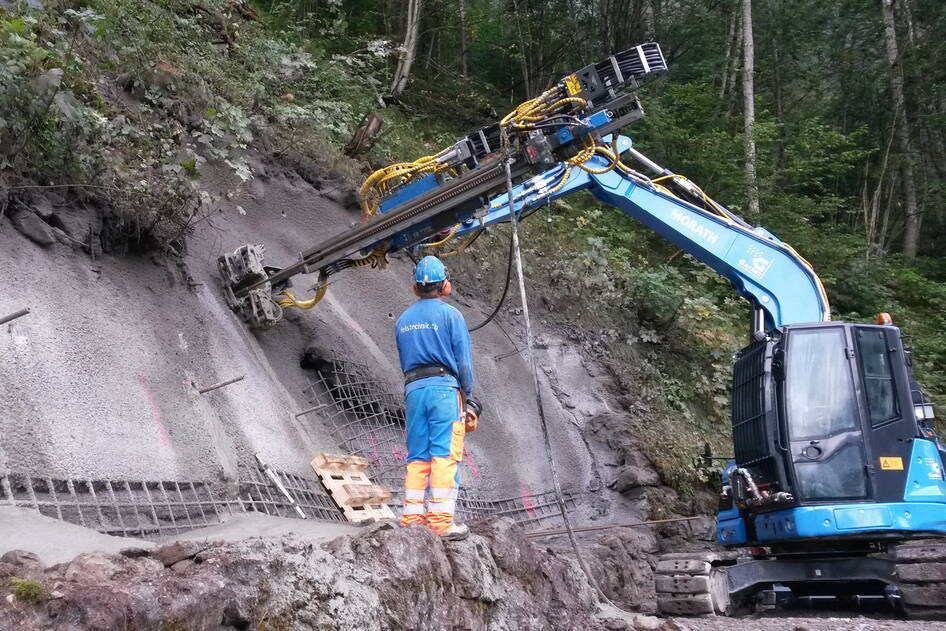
{"x": 502, "y": 298}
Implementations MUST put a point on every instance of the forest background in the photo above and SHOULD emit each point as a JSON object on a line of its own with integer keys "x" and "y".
{"x": 824, "y": 122}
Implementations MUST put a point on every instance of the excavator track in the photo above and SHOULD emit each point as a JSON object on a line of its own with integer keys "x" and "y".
{"x": 692, "y": 584}
{"x": 696, "y": 583}
{"x": 921, "y": 577}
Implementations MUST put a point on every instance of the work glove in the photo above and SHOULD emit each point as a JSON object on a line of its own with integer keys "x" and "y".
{"x": 472, "y": 414}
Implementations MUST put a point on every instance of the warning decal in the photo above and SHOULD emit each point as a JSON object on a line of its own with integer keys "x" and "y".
{"x": 891, "y": 464}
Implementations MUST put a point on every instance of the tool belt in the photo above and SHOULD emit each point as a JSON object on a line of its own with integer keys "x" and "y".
{"x": 427, "y": 370}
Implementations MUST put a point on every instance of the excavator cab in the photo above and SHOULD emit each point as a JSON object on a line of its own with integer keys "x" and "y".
{"x": 832, "y": 437}
{"x": 837, "y": 493}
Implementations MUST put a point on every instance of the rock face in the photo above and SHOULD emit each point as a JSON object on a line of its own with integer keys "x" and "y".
{"x": 34, "y": 228}
{"x": 385, "y": 578}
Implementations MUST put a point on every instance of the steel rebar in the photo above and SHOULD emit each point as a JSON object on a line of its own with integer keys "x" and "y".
{"x": 549, "y": 533}
{"x": 217, "y": 386}
{"x": 14, "y": 315}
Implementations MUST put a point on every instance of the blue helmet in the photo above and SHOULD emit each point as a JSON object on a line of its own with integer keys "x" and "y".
{"x": 430, "y": 270}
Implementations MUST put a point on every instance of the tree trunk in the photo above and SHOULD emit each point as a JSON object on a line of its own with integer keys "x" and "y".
{"x": 911, "y": 226}
{"x": 729, "y": 54}
{"x": 736, "y": 62}
{"x": 650, "y": 26}
{"x": 430, "y": 51}
{"x": 523, "y": 51}
{"x": 463, "y": 51}
{"x": 365, "y": 136}
{"x": 748, "y": 101}
{"x": 402, "y": 74}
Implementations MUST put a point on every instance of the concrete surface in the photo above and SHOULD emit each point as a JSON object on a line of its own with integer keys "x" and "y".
{"x": 54, "y": 541}
{"x": 245, "y": 525}
{"x": 99, "y": 381}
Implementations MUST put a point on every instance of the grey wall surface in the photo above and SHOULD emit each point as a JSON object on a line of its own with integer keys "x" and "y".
{"x": 99, "y": 380}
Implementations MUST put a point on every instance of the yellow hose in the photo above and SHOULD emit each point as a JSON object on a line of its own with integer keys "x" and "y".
{"x": 453, "y": 232}
{"x": 375, "y": 259}
{"x": 291, "y": 301}
{"x": 463, "y": 246}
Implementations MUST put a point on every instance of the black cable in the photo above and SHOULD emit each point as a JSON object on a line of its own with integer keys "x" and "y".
{"x": 502, "y": 298}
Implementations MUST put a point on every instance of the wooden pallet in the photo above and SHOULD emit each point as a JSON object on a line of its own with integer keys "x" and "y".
{"x": 344, "y": 478}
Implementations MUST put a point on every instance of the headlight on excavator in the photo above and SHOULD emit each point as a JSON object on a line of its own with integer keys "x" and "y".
{"x": 924, "y": 412}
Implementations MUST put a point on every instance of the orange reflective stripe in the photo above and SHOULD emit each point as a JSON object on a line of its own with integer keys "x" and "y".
{"x": 408, "y": 520}
{"x": 439, "y": 522}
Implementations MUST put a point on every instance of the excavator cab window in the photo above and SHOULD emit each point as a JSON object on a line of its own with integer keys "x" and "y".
{"x": 879, "y": 385}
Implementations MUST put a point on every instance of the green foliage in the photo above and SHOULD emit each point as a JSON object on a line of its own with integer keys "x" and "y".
{"x": 139, "y": 97}
{"x": 124, "y": 102}
{"x": 27, "y": 590}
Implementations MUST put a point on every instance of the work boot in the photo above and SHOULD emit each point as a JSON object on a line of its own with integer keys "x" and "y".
{"x": 456, "y": 532}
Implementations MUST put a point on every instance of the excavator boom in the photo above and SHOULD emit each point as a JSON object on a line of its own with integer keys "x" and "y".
{"x": 763, "y": 269}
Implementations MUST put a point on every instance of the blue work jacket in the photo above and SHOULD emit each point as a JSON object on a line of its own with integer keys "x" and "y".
{"x": 432, "y": 332}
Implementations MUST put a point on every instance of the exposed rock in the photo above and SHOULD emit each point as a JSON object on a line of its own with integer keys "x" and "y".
{"x": 94, "y": 567}
{"x": 651, "y": 623}
{"x": 342, "y": 195}
{"x": 22, "y": 559}
{"x": 134, "y": 553}
{"x": 620, "y": 562}
{"x": 631, "y": 477}
{"x": 33, "y": 228}
{"x": 181, "y": 567}
{"x": 384, "y": 578}
{"x": 43, "y": 206}
{"x": 177, "y": 551}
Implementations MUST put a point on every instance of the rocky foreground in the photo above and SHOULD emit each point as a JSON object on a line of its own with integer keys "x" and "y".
{"x": 384, "y": 578}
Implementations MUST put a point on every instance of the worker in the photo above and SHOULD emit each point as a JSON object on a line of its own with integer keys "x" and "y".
{"x": 433, "y": 344}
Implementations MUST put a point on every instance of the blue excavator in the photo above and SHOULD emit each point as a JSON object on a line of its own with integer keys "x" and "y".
{"x": 836, "y": 491}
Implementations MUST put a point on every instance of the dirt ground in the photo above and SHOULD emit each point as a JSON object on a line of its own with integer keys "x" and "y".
{"x": 807, "y": 621}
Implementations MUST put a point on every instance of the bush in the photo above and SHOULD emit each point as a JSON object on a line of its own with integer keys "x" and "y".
{"x": 27, "y": 590}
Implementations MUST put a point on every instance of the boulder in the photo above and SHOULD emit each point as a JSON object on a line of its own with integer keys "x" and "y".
{"x": 177, "y": 551}
{"x": 33, "y": 228}
{"x": 631, "y": 477}
{"x": 22, "y": 559}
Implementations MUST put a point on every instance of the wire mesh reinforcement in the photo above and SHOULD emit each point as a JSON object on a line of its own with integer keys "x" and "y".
{"x": 527, "y": 511}
{"x": 259, "y": 494}
{"x": 154, "y": 509}
{"x": 366, "y": 418}
{"x": 118, "y": 507}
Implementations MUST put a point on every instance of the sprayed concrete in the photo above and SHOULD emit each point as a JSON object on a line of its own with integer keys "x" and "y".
{"x": 506, "y": 457}
{"x": 100, "y": 380}
{"x": 245, "y": 525}
{"x": 54, "y": 541}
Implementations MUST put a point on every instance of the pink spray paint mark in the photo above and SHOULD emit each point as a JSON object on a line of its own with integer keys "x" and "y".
{"x": 155, "y": 413}
{"x": 374, "y": 448}
{"x": 475, "y": 470}
{"x": 527, "y": 502}
{"x": 354, "y": 325}
{"x": 399, "y": 454}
